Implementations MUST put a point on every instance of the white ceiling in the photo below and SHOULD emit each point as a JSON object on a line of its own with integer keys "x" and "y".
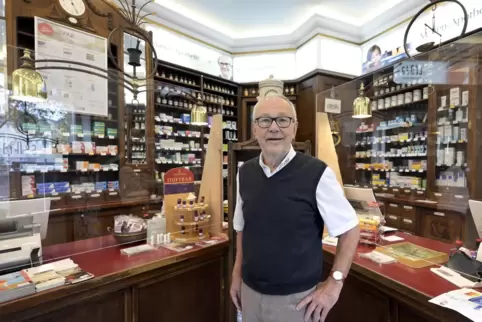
{"x": 239, "y": 25}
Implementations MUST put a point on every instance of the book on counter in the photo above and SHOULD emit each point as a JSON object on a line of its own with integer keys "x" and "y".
{"x": 55, "y": 274}
{"x": 15, "y": 285}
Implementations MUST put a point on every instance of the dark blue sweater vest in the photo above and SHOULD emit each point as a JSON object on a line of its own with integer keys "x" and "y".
{"x": 282, "y": 249}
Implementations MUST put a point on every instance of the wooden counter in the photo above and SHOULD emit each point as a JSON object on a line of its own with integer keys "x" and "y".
{"x": 162, "y": 285}
{"x": 394, "y": 292}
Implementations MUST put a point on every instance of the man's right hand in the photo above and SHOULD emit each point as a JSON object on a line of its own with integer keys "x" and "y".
{"x": 235, "y": 290}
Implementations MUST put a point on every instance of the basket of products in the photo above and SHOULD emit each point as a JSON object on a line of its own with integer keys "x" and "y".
{"x": 370, "y": 225}
{"x": 129, "y": 229}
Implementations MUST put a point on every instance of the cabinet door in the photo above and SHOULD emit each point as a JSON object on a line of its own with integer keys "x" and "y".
{"x": 441, "y": 225}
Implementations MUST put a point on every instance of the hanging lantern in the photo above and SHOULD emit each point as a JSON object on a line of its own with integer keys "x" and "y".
{"x": 361, "y": 105}
{"x": 27, "y": 84}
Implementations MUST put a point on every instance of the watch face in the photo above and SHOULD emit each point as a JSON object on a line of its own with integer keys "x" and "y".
{"x": 337, "y": 276}
{"x": 73, "y": 7}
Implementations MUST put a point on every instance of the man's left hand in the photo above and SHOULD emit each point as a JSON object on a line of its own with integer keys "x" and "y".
{"x": 321, "y": 300}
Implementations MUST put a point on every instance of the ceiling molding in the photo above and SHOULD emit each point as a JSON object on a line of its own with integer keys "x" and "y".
{"x": 316, "y": 25}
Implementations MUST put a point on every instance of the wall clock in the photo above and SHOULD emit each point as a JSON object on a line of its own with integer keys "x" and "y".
{"x": 74, "y": 8}
{"x": 439, "y": 21}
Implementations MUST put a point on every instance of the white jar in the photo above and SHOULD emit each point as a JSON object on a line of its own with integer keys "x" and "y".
{"x": 387, "y": 102}
{"x": 425, "y": 93}
{"x": 374, "y": 105}
{"x": 381, "y": 104}
{"x": 408, "y": 97}
{"x": 417, "y": 95}
{"x": 394, "y": 100}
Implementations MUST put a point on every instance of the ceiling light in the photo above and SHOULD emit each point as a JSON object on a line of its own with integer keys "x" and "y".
{"x": 361, "y": 105}
{"x": 27, "y": 84}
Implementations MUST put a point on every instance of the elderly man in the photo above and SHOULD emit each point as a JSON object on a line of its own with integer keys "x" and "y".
{"x": 284, "y": 201}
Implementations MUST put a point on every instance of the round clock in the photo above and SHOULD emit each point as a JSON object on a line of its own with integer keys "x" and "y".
{"x": 437, "y": 22}
{"x": 74, "y": 8}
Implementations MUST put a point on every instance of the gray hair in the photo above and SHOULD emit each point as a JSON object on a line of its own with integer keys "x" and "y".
{"x": 272, "y": 96}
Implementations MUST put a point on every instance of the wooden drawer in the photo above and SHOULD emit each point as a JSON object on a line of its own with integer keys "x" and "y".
{"x": 392, "y": 220}
{"x": 407, "y": 211}
{"x": 407, "y": 192}
{"x": 408, "y": 225}
{"x": 386, "y": 190}
{"x": 461, "y": 199}
{"x": 397, "y": 192}
{"x": 440, "y": 197}
{"x": 419, "y": 194}
{"x": 441, "y": 225}
{"x": 393, "y": 208}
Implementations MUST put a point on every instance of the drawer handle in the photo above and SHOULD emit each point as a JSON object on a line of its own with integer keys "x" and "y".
{"x": 407, "y": 190}
{"x": 393, "y": 217}
{"x": 385, "y": 189}
{"x": 441, "y": 214}
{"x": 393, "y": 205}
{"x": 459, "y": 197}
{"x": 420, "y": 192}
{"x": 395, "y": 190}
{"x": 55, "y": 198}
{"x": 407, "y": 207}
{"x": 437, "y": 194}
{"x": 408, "y": 221}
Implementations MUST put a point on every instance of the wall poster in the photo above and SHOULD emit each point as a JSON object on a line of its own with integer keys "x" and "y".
{"x": 183, "y": 51}
{"x": 72, "y": 91}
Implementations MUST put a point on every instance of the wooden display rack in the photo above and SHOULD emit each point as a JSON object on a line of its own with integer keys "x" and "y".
{"x": 181, "y": 220}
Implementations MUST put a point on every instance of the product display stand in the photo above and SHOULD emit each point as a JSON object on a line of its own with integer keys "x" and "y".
{"x": 325, "y": 148}
{"x": 191, "y": 218}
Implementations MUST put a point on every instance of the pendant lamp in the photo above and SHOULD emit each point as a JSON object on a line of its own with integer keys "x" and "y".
{"x": 199, "y": 114}
{"x": 361, "y": 105}
{"x": 27, "y": 84}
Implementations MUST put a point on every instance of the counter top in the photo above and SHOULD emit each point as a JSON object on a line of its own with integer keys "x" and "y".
{"x": 435, "y": 205}
{"x": 417, "y": 280}
{"x": 101, "y": 256}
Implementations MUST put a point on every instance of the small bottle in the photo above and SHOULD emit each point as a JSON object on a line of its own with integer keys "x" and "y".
{"x": 196, "y": 217}
{"x": 196, "y": 228}
{"x": 204, "y": 215}
{"x": 181, "y": 218}
{"x": 184, "y": 204}
{"x": 201, "y": 201}
{"x": 191, "y": 204}
{"x": 183, "y": 230}
{"x": 201, "y": 234}
{"x": 201, "y": 216}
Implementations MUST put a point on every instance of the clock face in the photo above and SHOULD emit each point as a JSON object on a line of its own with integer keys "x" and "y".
{"x": 74, "y": 8}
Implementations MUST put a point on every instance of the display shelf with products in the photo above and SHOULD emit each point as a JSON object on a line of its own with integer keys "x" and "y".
{"x": 418, "y": 149}
{"x": 70, "y": 156}
{"x": 392, "y": 150}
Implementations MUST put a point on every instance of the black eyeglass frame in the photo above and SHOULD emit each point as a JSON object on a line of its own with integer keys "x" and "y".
{"x": 274, "y": 119}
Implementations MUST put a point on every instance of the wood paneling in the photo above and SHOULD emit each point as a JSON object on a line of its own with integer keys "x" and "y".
{"x": 108, "y": 307}
{"x": 193, "y": 295}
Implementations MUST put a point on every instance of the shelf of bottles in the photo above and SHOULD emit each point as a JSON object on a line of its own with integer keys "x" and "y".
{"x": 391, "y": 148}
{"x": 70, "y": 157}
{"x": 216, "y": 95}
{"x": 452, "y": 139}
{"x": 135, "y": 133}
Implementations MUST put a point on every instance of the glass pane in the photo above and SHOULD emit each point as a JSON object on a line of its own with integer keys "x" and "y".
{"x": 410, "y": 141}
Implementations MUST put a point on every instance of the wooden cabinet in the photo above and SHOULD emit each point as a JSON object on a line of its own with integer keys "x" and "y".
{"x": 188, "y": 287}
{"x": 442, "y": 225}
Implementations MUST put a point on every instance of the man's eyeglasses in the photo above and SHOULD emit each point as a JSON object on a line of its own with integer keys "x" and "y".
{"x": 282, "y": 121}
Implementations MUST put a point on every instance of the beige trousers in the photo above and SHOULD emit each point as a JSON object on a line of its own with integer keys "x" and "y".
{"x": 257, "y": 307}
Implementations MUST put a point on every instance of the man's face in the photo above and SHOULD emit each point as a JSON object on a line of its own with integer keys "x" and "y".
{"x": 274, "y": 138}
{"x": 376, "y": 56}
{"x": 224, "y": 67}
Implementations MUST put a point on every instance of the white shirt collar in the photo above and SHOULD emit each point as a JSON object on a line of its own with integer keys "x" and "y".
{"x": 291, "y": 154}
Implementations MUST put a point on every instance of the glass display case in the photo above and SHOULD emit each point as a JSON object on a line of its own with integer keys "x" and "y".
{"x": 418, "y": 148}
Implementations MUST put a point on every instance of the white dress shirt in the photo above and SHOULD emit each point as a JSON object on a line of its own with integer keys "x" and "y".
{"x": 337, "y": 213}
